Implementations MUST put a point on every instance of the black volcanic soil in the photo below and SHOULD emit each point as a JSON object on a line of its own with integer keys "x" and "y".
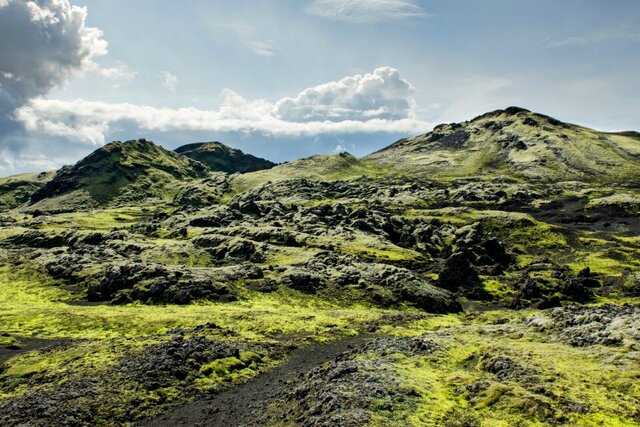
{"x": 30, "y": 344}
{"x": 241, "y": 405}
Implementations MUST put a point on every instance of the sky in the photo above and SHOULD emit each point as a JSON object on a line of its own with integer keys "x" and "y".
{"x": 284, "y": 79}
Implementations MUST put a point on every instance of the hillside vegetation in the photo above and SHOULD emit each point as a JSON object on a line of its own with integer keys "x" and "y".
{"x": 518, "y": 143}
{"x": 484, "y": 274}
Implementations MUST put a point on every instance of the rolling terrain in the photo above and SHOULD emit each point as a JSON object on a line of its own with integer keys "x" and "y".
{"x": 484, "y": 274}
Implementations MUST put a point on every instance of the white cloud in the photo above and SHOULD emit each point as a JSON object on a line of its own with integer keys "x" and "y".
{"x": 7, "y": 158}
{"x": 169, "y": 81}
{"x": 621, "y": 34}
{"x": 119, "y": 73}
{"x": 43, "y": 43}
{"x": 375, "y": 102}
{"x": 90, "y": 121}
{"x": 10, "y": 161}
{"x": 365, "y": 11}
{"x": 378, "y": 102}
{"x": 260, "y": 48}
{"x": 382, "y": 94}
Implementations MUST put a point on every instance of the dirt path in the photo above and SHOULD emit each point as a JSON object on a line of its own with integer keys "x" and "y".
{"x": 234, "y": 407}
{"x": 30, "y": 344}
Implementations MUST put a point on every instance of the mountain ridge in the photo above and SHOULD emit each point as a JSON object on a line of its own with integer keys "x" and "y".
{"x": 518, "y": 142}
{"x": 513, "y": 142}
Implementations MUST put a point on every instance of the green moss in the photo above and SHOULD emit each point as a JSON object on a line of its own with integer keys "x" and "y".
{"x": 249, "y": 358}
{"x": 231, "y": 370}
{"x": 492, "y": 395}
{"x": 326, "y": 168}
{"x": 98, "y": 219}
{"x": 222, "y": 367}
{"x": 31, "y": 305}
{"x": 175, "y": 252}
{"x": 611, "y": 263}
{"x": 100, "y": 336}
{"x": 16, "y": 190}
{"x": 499, "y": 290}
{"x": 537, "y": 238}
{"x": 368, "y": 248}
{"x": 436, "y": 397}
{"x": 452, "y": 384}
{"x": 9, "y": 341}
{"x": 429, "y": 323}
{"x": 285, "y": 255}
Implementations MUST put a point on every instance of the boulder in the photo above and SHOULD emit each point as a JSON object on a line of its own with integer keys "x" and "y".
{"x": 458, "y": 273}
{"x": 304, "y": 281}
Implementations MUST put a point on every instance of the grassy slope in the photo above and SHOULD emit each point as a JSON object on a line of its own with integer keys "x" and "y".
{"x": 552, "y": 151}
{"x": 319, "y": 167}
{"x": 16, "y": 190}
{"x": 121, "y": 172}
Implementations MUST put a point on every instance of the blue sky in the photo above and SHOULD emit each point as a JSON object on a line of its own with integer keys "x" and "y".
{"x": 285, "y": 79}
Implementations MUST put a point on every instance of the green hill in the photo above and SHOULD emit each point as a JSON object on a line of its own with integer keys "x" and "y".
{"x": 518, "y": 143}
{"x": 127, "y": 171}
{"x": 17, "y": 189}
{"x": 219, "y": 157}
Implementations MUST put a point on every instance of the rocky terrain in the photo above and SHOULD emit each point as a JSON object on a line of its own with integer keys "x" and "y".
{"x": 484, "y": 274}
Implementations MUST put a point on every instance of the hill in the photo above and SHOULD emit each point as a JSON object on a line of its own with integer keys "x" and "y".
{"x": 132, "y": 170}
{"x": 219, "y": 157}
{"x": 318, "y": 168}
{"x": 17, "y": 190}
{"x": 519, "y": 143}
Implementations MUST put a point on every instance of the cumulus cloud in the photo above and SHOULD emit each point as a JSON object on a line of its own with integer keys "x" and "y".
{"x": 382, "y": 94}
{"x": 43, "y": 42}
{"x": 373, "y": 103}
{"x": 365, "y": 11}
{"x": 90, "y": 121}
{"x": 169, "y": 81}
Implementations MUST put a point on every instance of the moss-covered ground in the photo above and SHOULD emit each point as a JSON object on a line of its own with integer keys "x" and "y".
{"x": 492, "y": 369}
{"x": 152, "y": 303}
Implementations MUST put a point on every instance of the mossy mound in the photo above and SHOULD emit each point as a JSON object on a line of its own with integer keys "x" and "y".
{"x": 219, "y": 157}
{"x": 129, "y": 171}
